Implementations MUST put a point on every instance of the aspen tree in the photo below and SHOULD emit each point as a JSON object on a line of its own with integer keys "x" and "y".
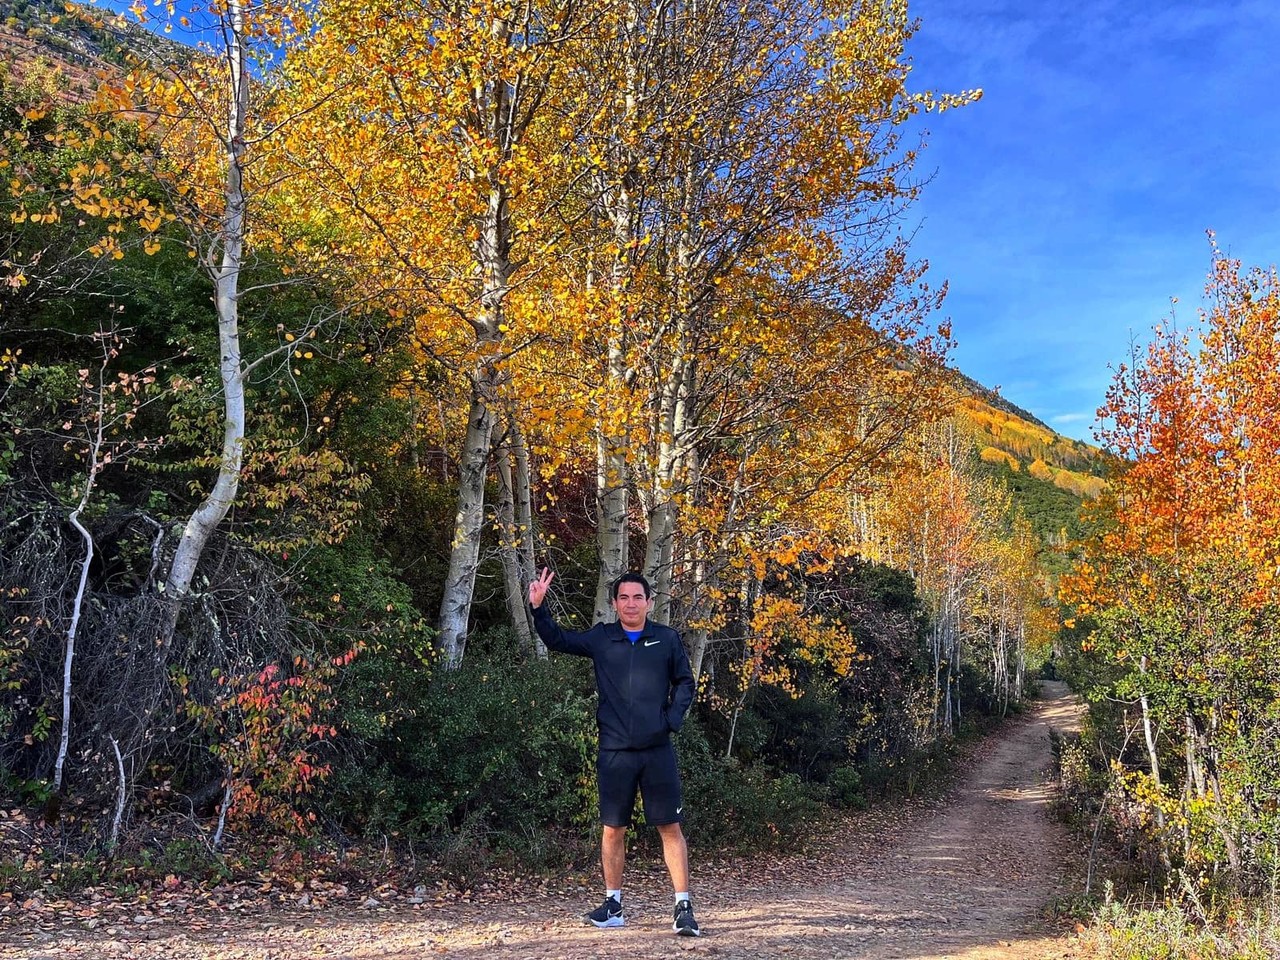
{"x": 428, "y": 144}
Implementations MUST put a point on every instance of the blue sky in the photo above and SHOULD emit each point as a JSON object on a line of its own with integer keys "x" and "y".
{"x": 1070, "y": 204}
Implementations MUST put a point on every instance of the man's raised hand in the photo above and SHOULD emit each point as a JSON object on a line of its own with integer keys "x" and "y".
{"x": 538, "y": 586}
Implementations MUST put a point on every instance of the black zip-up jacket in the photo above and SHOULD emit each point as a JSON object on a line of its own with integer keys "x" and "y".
{"x": 645, "y": 687}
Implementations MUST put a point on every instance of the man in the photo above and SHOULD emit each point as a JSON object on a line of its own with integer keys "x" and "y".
{"x": 645, "y": 686}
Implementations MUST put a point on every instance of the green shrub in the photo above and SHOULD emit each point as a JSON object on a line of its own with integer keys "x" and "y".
{"x": 735, "y": 806}
{"x": 1121, "y": 932}
{"x": 844, "y": 789}
{"x": 500, "y": 753}
{"x": 808, "y": 735}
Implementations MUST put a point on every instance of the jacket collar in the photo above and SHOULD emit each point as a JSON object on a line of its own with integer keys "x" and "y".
{"x": 617, "y": 633}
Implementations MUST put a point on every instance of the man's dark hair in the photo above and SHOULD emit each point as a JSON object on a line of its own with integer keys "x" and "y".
{"x": 630, "y": 578}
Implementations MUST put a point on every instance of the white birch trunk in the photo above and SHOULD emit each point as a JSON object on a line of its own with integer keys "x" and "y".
{"x": 468, "y": 525}
{"x": 64, "y": 739}
{"x": 223, "y": 809}
{"x": 948, "y": 725}
{"x": 675, "y": 451}
{"x": 524, "y": 505}
{"x": 677, "y": 458}
{"x": 611, "y": 512}
{"x": 122, "y": 792}
{"x": 510, "y": 537}
{"x": 226, "y": 276}
{"x": 1148, "y": 732}
{"x": 695, "y": 590}
{"x": 612, "y": 473}
{"x": 954, "y": 685}
{"x": 612, "y": 469}
{"x": 1020, "y": 682}
{"x": 1195, "y": 769}
{"x": 660, "y": 521}
{"x": 493, "y": 100}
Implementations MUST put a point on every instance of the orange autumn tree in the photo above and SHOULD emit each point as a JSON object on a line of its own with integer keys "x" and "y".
{"x": 1177, "y": 589}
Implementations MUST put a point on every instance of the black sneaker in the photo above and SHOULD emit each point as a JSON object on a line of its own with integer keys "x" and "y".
{"x": 608, "y": 914}
{"x": 684, "y": 924}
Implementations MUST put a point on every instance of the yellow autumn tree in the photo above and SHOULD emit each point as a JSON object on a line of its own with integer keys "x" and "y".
{"x": 438, "y": 156}
{"x": 947, "y": 525}
{"x": 758, "y": 279}
{"x": 648, "y": 237}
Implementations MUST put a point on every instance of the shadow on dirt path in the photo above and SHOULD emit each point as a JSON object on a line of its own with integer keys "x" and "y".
{"x": 967, "y": 878}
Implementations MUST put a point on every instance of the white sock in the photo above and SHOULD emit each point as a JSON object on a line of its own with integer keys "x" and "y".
{"x": 682, "y": 896}
{"x": 616, "y": 894}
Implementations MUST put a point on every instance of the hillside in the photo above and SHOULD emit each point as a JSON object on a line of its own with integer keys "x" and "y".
{"x": 78, "y": 41}
{"x": 1049, "y": 475}
{"x": 1008, "y": 436}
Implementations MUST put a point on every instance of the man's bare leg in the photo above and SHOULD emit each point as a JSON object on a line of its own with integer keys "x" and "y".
{"x": 613, "y": 855}
{"x": 675, "y": 851}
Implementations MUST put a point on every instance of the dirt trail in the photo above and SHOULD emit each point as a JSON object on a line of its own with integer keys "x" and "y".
{"x": 966, "y": 879}
{"x": 969, "y": 881}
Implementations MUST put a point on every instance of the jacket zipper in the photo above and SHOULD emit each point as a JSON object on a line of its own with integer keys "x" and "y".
{"x": 631, "y": 706}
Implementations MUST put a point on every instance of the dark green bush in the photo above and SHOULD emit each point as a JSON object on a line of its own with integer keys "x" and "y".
{"x": 845, "y": 789}
{"x": 809, "y": 735}
{"x": 501, "y": 752}
{"x": 907, "y": 772}
{"x": 729, "y": 805}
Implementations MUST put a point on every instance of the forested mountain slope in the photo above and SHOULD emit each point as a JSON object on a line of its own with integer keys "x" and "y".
{"x": 1007, "y": 434}
{"x": 82, "y": 36}
{"x": 1048, "y": 475}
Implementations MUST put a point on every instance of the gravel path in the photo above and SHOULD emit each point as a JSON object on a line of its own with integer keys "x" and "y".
{"x": 966, "y": 878}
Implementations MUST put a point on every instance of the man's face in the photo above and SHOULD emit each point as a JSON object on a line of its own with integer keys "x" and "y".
{"x": 631, "y": 606}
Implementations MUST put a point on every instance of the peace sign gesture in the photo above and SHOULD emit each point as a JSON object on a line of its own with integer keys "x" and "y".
{"x": 538, "y": 587}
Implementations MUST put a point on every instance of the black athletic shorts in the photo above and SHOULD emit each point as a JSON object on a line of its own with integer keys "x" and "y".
{"x": 654, "y": 771}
